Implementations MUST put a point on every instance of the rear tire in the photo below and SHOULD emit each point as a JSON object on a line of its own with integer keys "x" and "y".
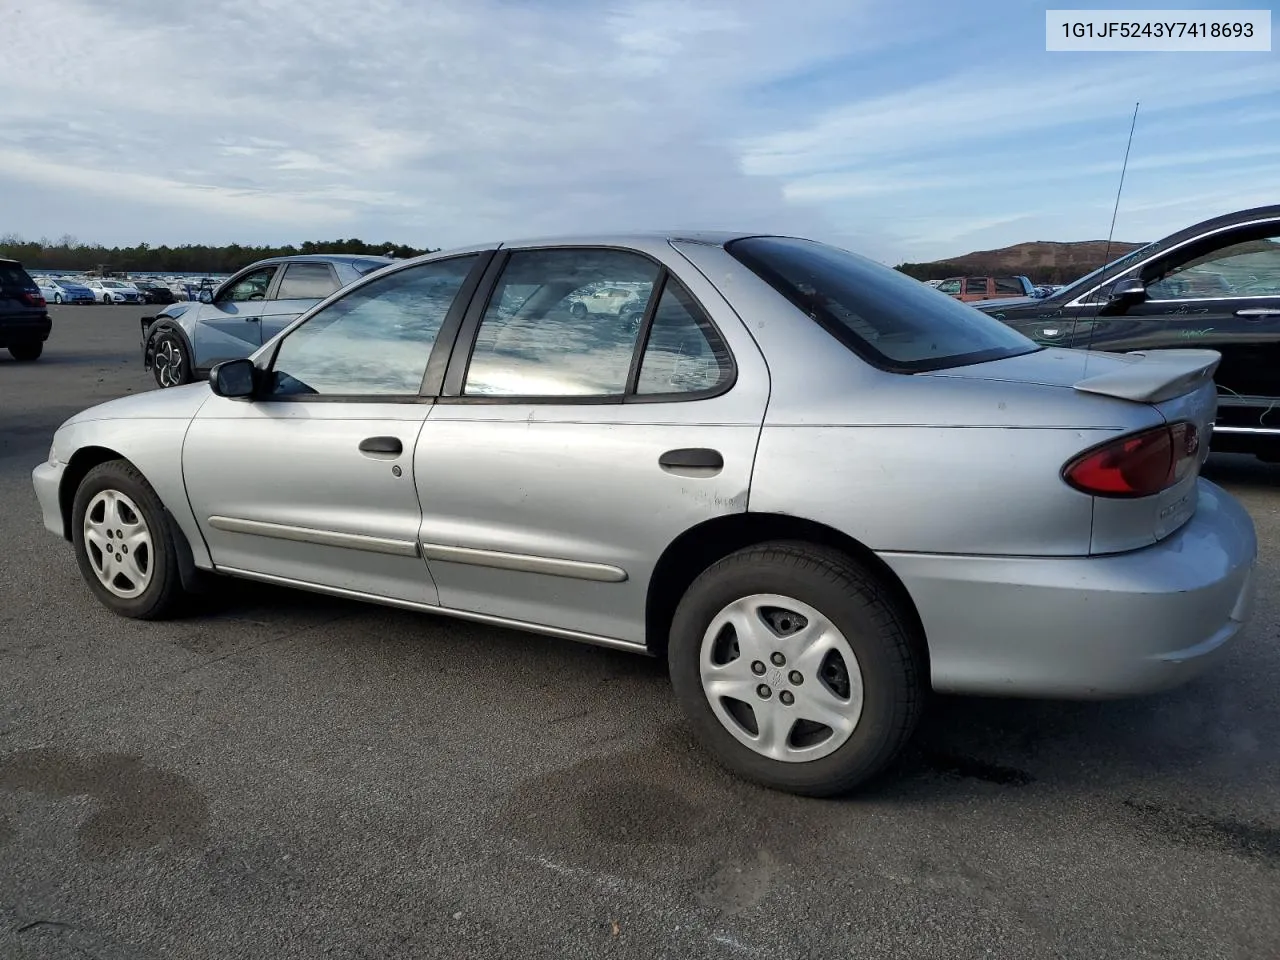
{"x": 853, "y": 660}
{"x": 26, "y": 352}
{"x": 116, "y": 511}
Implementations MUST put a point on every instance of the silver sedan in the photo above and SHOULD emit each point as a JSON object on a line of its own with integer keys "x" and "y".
{"x": 817, "y": 487}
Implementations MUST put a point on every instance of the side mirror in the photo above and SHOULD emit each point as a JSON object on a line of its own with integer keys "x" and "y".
{"x": 206, "y": 295}
{"x": 1127, "y": 292}
{"x": 234, "y": 378}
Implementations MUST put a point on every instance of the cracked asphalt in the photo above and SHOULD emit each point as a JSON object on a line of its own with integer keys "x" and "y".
{"x": 286, "y": 775}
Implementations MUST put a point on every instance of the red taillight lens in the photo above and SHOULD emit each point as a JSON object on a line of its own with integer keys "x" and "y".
{"x": 1139, "y": 465}
{"x": 33, "y": 299}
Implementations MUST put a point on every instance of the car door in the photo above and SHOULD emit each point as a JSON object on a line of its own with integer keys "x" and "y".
{"x": 1220, "y": 292}
{"x": 312, "y": 481}
{"x": 569, "y": 450}
{"x": 302, "y": 285}
{"x": 228, "y": 327}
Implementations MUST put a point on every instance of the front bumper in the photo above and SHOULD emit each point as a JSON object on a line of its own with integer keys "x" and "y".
{"x": 46, "y": 478}
{"x": 1088, "y": 627}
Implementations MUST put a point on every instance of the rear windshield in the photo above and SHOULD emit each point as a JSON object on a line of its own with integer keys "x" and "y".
{"x": 14, "y": 279}
{"x": 889, "y": 319}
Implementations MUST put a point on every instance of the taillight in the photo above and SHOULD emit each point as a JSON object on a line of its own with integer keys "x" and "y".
{"x": 1137, "y": 465}
{"x": 33, "y": 299}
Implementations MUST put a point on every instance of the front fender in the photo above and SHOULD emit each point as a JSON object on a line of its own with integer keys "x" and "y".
{"x": 152, "y": 444}
{"x": 159, "y": 325}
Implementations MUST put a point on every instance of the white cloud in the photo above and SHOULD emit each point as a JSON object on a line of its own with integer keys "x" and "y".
{"x": 466, "y": 120}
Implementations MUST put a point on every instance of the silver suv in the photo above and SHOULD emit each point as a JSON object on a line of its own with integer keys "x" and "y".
{"x": 184, "y": 340}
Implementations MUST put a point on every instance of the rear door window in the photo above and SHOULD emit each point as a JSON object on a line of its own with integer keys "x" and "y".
{"x": 307, "y": 281}
{"x": 892, "y": 321}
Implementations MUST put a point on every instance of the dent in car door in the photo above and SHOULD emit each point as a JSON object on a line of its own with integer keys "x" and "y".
{"x": 285, "y": 490}
{"x": 553, "y": 510}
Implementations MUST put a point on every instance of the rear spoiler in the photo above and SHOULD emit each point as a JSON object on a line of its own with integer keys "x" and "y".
{"x": 1155, "y": 376}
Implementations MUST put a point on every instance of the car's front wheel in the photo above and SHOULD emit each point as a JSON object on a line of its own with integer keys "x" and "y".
{"x": 124, "y": 545}
{"x": 796, "y": 669}
{"x": 57, "y": 298}
{"x": 26, "y": 352}
{"x": 169, "y": 362}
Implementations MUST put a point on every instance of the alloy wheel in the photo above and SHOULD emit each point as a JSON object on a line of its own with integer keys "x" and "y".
{"x": 168, "y": 363}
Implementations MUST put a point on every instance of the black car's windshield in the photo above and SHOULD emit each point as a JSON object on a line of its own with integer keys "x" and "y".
{"x": 889, "y": 319}
{"x": 1071, "y": 289}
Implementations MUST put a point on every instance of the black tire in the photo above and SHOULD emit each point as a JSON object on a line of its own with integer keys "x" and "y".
{"x": 882, "y": 638}
{"x": 57, "y": 298}
{"x": 578, "y": 309}
{"x": 163, "y": 596}
{"x": 26, "y": 352}
{"x": 169, "y": 341}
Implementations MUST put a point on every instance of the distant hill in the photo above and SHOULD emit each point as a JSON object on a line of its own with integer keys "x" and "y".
{"x": 1044, "y": 261}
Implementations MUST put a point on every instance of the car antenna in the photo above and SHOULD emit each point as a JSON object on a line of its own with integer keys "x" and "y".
{"x": 1106, "y": 255}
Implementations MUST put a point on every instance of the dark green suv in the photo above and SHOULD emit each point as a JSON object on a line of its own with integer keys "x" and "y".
{"x": 24, "y": 316}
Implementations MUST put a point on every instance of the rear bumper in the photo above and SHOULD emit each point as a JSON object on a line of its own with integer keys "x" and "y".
{"x": 1088, "y": 627}
{"x": 25, "y": 329}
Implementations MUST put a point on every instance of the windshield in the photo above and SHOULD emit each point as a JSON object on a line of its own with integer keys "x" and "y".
{"x": 112, "y": 284}
{"x": 1128, "y": 258}
{"x": 889, "y": 319}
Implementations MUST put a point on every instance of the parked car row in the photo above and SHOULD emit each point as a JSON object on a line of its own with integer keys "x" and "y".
{"x": 813, "y": 486}
{"x": 117, "y": 290}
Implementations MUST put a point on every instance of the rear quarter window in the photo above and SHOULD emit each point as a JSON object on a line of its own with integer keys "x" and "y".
{"x": 889, "y": 319}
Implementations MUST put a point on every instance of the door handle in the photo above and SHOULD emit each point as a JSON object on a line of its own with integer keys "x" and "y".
{"x": 1259, "y": 312}
{"x": 692, "y": 459}
{"x": 381, "y": 445}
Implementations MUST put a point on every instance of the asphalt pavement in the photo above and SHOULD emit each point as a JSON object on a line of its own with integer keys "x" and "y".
{"x": 287, "y": 775}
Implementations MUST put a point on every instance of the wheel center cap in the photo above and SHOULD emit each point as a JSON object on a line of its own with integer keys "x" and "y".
{"x": 774, "y": 677}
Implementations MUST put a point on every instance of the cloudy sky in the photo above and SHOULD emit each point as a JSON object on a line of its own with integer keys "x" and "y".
{"x": 907, "y": 129}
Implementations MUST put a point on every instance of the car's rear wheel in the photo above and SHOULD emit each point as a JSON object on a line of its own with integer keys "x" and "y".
{"x": 796, "y": 669}
{"x": 578, "y": 309}
{"x": 124, "y": 545}
{"x": 169, "y": 362}
{"x": 26, "y": 352}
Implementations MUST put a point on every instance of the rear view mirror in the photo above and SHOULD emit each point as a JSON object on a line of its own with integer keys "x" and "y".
{"x": 233, "y": 378}
{"x": 206, "y": 296}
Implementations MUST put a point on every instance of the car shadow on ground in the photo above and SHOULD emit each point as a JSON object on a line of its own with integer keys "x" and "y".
{"x": 1215, "y": 726}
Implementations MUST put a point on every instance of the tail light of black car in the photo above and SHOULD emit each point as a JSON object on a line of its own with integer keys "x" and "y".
{"x": 32, "y": 298}
{"x": 1138, "y": 464}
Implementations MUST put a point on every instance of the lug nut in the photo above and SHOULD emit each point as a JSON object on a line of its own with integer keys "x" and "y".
{"x": 778, "y": 659}
{"x": 796, "y": 677}
{"x": 124, "y": 549}
{"x": 787, "y": 697}
{"x": 757, "y": 668}
{"x": 764, "y": 691}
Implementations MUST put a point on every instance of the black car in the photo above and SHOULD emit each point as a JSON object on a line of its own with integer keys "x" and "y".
{"x": 153, "y": 292}
{"x": 24, "y": 317}
{"x": 1215, "y": 285}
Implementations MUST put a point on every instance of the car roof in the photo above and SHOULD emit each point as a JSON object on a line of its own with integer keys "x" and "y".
{"x": 324, "y": 258}
{"x": 712, "y": 237}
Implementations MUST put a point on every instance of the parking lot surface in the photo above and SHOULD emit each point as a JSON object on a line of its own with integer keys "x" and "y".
{"x": 288, "y": 775}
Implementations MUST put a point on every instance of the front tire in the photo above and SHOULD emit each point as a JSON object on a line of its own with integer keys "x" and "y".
{"x": 124, "y": 544}
{"x": 26, "y": 352}
{"x": 796, "y": 669}
{"x": 170, "y": 364}
{"x": 57, "y": 298}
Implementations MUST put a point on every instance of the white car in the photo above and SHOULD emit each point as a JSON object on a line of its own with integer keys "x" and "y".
{"x": 114, "y": 291}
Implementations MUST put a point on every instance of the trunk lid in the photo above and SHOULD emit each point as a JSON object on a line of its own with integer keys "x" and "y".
{"x": 1178, "y": 384}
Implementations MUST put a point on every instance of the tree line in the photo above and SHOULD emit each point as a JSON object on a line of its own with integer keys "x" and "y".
{"x": 69, "y": 254}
